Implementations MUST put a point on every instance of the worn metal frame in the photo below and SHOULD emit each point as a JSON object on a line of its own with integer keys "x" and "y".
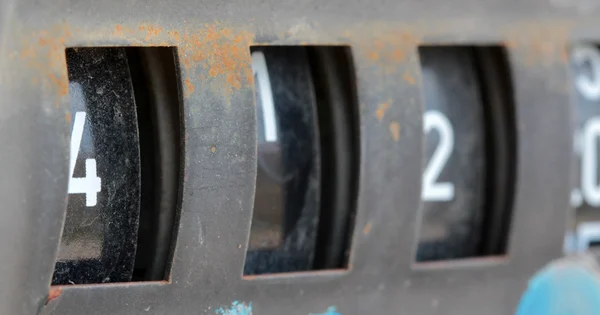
{"x": 213, "y": 39}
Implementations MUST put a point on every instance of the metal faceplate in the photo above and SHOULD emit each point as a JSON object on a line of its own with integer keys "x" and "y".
{"x": 219, "y": 170}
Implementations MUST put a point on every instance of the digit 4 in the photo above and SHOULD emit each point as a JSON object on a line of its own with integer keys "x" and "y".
{"x": 90, "y": 185}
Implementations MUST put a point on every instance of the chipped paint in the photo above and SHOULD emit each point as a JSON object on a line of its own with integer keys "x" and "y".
{"x": 55, "y": 291}
{"x": 395, "y": 130}
{"x": 236, "y": 308}
{"x": 332, "y": 310}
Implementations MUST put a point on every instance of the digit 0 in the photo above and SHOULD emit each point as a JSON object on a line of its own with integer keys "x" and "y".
{"x": 589, "y": 162}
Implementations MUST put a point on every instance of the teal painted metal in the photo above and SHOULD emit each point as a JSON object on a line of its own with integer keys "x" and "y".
{"x": 570, "y": 286}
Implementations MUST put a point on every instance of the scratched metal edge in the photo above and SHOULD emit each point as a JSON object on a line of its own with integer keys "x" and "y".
{"x": 542, "y": 89}
{"x": 33, "y": 185}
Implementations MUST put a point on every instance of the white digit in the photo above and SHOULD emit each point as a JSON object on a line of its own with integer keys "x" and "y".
{"x": 589, "y": 87}
{"x": 432, "y": 190}
{"x": 589, "y": 162}
{"x": 259, "y": 67}
{"x": 90, "y": 185}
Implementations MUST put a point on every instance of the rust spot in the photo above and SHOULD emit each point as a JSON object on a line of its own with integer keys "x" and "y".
{"x": 398, "y": 55}
{"x": 395, "y": 130}
{"x": 213, "y": 149}
{"x": 381, "y": 109}
{"x": 27, "y": 52}
{"x": 68, "y": 117}
{"x": 187, "y": 63}
{"x": 390, "y": 50}
{"x": 189, "y": 87}
{"x": 219, "y": 52}
{"x": 222, "y": 51}
{"x": 55, "y": 291}
{"x": 539, "y": 44}
{"x": 63, "y": 85}
{"x": 373, "y": 55}
{"x": 367, "y": 228}
{"x": 42, "y": 41}
{"x": 119, "y": 30}
{"x": 44, "y": 53}
{"x": 250, "y": 77}
{"x": 408, "y": 78}
{"x": 152, "y": 31}
{"x": 65, "y": 30}
{"x": 174, "y": 35}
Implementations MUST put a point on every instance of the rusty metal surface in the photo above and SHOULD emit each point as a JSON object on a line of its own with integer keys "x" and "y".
{"x": 213, "y": 39}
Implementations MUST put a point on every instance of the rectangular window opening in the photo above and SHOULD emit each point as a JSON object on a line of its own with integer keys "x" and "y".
{"x": 307, "y": 159}
{"x": 470, "y": 150}
{"x": 124, "y": 171}
{"x": 583, "y": 230}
